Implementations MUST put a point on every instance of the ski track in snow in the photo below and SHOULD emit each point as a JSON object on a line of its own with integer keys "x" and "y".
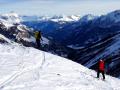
{"x": 30, "y": 69}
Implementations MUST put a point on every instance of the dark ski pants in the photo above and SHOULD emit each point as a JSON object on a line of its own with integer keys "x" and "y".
{"x": 102, "y": 72}
{"x": 38, "y": 43}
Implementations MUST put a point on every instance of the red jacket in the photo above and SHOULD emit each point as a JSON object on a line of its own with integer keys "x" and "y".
{"x": 101, "y": 65}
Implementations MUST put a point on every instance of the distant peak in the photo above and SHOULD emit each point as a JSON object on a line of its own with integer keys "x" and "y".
{"x": 11, "y": 14}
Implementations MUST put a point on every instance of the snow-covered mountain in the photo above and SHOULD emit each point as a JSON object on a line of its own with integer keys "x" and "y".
{"x": 107, "y": 48}
{"x": 62, "y": 18}
{"x": 27, "y": 68}
{"x": 90, "y": 37}
{"x": 87, "y": 33}
{"x": 58, "y": 26}
{"x": 87, "y": 18}
{"x": 82, "y": 41}
{"x": 65, "y": 18}
{"x": 47, "y": 24}
{"x": 11, "y": 28}
{"x": 3, "y": 39}
{"x": 110, "y": 18}
{"x": 19, "y": 33}
{"x": 10, "y": 19}
{"x": 71, "y": 25}
{"x": 89, "y": 29}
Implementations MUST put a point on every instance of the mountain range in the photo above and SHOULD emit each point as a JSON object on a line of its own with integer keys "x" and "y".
{"x": 85, "y": 39}
{"x": 25, "y": 68}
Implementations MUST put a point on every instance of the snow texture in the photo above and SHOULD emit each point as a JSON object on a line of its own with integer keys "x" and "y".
{"x": 25, "y": 68}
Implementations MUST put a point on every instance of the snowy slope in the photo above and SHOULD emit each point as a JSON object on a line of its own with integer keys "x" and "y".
{"x": 107, "y": 48}
{"x": 112, "y": 49}
{"x": 30, "y": 69}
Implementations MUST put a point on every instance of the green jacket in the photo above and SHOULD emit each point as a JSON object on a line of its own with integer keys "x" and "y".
{"x": 37, "y": 35}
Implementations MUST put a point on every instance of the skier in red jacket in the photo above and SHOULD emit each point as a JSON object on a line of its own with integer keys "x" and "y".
{"x": 101, "y": 69}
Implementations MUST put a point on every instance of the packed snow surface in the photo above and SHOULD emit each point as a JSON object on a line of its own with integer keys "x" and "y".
{"x": 25, "y": 68}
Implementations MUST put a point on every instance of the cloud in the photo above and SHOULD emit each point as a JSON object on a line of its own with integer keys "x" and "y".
{"x": 57, "y": 7}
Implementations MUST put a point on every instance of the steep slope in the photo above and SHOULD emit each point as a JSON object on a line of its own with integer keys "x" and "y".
{"x": 3, "y": 39}
{"x": 94, "y": 30}
{"x": 91, "y": 39}
{"x": 107, "y": 48}
{"x": 30, "y": 69}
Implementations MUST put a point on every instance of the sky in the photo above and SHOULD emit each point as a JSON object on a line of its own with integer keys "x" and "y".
{"x": 59, "y": 7}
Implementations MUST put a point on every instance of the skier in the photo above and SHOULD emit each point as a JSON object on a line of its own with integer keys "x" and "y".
{"x": 101, "y": 69}
{"x": 38, "y": 38}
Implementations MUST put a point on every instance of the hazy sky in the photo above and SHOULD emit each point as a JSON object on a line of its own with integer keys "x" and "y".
{"x": 59, "y": 7}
